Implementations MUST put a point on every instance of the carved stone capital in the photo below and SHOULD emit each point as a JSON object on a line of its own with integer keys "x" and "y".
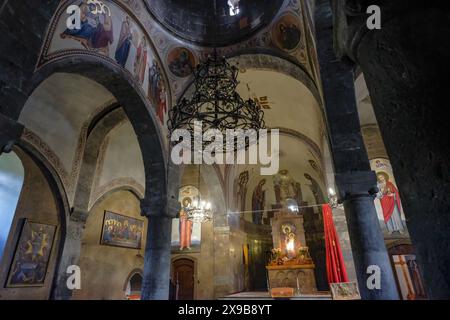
{"x": 10, "y": 133}
{"x": 356, "y": 184}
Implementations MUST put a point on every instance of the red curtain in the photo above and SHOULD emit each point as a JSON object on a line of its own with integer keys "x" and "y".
{"x": 335, "y": 261}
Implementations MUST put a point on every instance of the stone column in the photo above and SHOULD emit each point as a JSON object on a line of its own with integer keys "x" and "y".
{"x": 71, "y": 254}
{"x": 155, "y": 284}
{"x": 406, "y": 65}
{"x": 355, "y": 181}
{"x": 357, "y": 191}
{"x": 10, "y": 132}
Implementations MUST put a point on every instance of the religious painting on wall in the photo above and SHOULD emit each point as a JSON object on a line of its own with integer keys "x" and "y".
{"x": 110, "y": 32}
{"x": 32, "y": 255}
{"x": 287, "y": 33}
{"x": 122, "y": 231}
{"x": 157, "y": 91}
{"x": 409, "y": 278}
{"x": 181, "y": 62}
{"x": 388, "y": 205}
{"x": 186, "y": 234}
{"x": 345, "y": 291}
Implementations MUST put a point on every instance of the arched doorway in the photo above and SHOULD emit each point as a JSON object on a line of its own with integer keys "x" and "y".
{"x": 183, "y": 276}
{"x": 134, "y": 286}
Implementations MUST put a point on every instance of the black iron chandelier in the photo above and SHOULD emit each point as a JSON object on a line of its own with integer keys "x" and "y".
{"x": 215, "y": 102}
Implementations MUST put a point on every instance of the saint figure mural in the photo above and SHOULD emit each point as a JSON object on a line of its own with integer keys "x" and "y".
{"x": 140, "y": 64}
{"x": 124, "y": 44}
{"x": 390, "y": 203}
{"x": 316, "y": 190}
{"x": 185, "y": 227}
{"x": 258, "y": 202}
{"x": 157, "y": 91}
{"x": 186, "y": 234}
{"x": 290, "y": 36}
{"x": 96, "y": 32}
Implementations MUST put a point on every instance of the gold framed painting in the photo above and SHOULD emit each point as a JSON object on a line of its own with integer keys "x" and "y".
{"x": 32, "y": 255}
{"x": 122, "y": 231}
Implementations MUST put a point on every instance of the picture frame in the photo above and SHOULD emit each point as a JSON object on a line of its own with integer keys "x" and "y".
{"x": 32, "y": 255}
{"x": 122, "y": 231}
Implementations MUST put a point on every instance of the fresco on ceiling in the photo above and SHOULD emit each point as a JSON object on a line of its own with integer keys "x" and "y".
{"x": 388, "y": 204}
{"x": 288, "y": 35}
{"x": 157, "y": 91}
{"x": 186, "y": 235}
{"x": 109, "y": 32}
{"x": 181, "y": 62}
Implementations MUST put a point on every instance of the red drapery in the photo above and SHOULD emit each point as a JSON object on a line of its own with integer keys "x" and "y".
{"x": 336, "y": 270}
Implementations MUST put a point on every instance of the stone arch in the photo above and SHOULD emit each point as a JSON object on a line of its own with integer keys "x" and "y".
{"x": 98, "y": 130}
{"x": 138, "y": 110}
{"x": 132, "y": 277}
{"x": 269, "y": 59}
{"x": 63, "y": 209}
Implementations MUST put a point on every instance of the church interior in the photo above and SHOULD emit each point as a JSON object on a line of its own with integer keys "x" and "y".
{"x": 93, "y": 206}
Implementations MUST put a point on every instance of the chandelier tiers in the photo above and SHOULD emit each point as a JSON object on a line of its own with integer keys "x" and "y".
{"x": 199, "y": 211}
{"x": 216, "y": 102}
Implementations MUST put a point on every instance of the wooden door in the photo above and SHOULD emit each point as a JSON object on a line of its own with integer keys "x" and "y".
{"x": 183, "y": 274}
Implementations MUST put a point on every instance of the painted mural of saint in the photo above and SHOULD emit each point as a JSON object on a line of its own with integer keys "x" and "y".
{"x": 96, "y": 30}
{"x": 156, "y": 91}
{"x": 290, "y": 36}
{"x": 258, "y": 202}
{"x": 140, "y": 64}
{"x": 185, "y": 227}
{"x": 316, "y": 190}
{"x": 182, "y": 62}
{"x": 162, "y": 104}
{"x": 124, "y": 44}
{"x": 390, "y": 203}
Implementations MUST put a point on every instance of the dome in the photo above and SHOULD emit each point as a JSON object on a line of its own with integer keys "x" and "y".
{"x": 212, "y": 22}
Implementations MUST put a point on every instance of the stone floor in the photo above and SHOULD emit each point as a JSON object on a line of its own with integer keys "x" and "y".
{"x": 264, "y": 295}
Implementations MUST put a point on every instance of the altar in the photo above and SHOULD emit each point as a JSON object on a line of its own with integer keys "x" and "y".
{"x": 290, "y": 271}
{"x": 299, "y": 277}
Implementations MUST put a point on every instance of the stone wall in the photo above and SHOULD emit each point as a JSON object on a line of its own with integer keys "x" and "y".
{"x": 38, "y": 204}
{"x": 204, "y": 273}
{"x": 105, "y": 269}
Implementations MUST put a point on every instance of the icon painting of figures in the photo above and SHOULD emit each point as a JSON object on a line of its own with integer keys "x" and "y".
{"x": 32, "y": 255}
{"x": 388, "y": 205}
{"x": 186, "y": 234}
{"x": 96, "y": 32}
{"x": 108, "y": 32}
{"x": 122, "y": 231}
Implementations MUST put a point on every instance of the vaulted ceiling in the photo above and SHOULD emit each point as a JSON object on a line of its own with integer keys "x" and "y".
{"x": 208, "y": 22}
